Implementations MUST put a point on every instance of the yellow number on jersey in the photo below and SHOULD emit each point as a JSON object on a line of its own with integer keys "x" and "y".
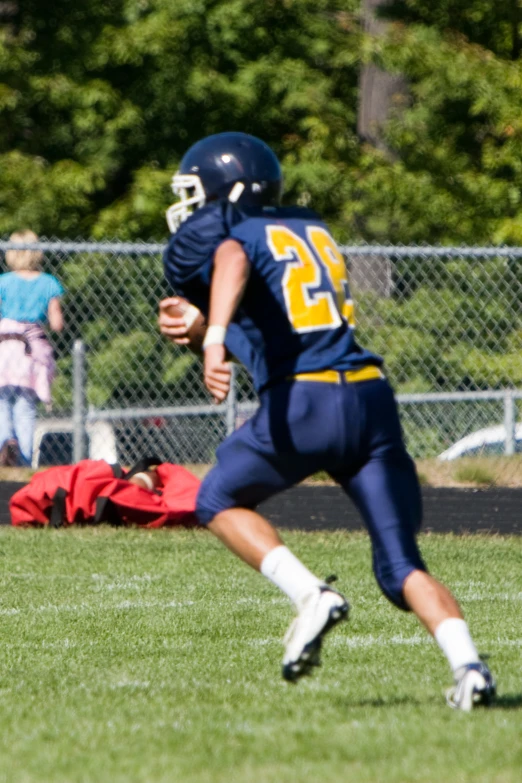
{"x": 328, "y": 252}
{"x": 310, "y": 310}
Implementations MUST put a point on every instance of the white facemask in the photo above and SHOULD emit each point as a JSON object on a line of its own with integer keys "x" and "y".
{"x": 189, "y": 189}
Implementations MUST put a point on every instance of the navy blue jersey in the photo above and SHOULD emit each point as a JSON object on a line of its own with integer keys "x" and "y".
{"x": 187, "y": 262}
{"x": 296, "y": 315}
{"x": 297, "y": 312}
{"x": 188, "y": 257}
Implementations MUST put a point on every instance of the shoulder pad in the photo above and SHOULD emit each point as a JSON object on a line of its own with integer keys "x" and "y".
{"x": 193, "y": 245}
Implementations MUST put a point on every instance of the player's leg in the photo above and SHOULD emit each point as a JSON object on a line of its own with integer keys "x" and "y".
{"x": 387, "y": 493}
{"x": 430, "y": 600}
{"x": 319, "y": 608}
{"x": 386, "y": 496}
{"x": 250, "y": 468}
{"x": 438, "y": 610}
{"x": 246, "y": 533}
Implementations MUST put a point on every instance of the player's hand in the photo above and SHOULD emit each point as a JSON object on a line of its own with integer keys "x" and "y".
{"x": 172, "y": 327}
{"x": 217, "y": 372}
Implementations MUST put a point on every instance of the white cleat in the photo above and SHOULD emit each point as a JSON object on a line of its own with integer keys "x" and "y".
{"x": 474, "y": 685}
{"x": 319, "y": 612}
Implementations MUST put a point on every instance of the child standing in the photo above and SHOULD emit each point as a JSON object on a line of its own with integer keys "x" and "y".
{"x": 29, "y": 299}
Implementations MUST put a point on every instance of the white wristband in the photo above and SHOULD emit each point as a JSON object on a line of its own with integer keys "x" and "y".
{"x": 215, "y": 335}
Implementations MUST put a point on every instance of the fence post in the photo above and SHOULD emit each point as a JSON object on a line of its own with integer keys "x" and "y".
{"x": 509, "y": 422}
{"x": 79, "y": 402}
{"x": 231, "y": 402}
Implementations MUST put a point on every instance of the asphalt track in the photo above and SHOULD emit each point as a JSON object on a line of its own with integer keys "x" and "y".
{"x": 446, "y": 510}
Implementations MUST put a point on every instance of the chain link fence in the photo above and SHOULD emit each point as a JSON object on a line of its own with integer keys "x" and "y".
{"x": 448, "y": 322}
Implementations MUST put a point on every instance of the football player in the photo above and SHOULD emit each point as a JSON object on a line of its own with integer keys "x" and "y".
{"x": 280, "y": 302}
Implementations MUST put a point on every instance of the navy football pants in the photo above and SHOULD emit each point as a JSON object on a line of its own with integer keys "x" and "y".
{"x": 351, "y": 430}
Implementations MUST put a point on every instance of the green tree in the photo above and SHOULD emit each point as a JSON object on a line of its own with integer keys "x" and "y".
{"x": 99, "y": 101}
{"x": 64, "y": 127}
{"x": 457, "y": 172}
{"x": 103, "y": 99}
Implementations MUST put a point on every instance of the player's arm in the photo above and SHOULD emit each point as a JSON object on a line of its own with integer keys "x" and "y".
{"x": 186, "y": 257}
{"x": 229, "y": 278}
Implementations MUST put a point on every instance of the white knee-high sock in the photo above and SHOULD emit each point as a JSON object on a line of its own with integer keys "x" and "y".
{"x": 453, "y": 638}
{"x": 289, "y": 574}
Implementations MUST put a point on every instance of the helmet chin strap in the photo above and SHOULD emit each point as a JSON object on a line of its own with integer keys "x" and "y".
{"x": 236, "y": 192}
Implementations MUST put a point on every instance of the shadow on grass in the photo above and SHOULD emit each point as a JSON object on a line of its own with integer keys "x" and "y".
{"x": 509, "y": 701}
{"x": 393, "y": 701}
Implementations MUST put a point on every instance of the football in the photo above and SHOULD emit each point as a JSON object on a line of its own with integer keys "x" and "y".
{"x": 194, "y": 321}
{"x": 148, "y": 479}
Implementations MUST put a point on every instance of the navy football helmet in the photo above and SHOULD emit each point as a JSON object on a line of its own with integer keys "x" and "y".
{"x": 227, "y": 166}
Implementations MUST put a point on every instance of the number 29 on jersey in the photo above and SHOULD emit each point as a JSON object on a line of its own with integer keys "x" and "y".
{"x": 315, "y": 285}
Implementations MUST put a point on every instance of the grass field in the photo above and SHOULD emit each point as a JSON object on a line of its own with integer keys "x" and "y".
{"x": 155, "y": 656}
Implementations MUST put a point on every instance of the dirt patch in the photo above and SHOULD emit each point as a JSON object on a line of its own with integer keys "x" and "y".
{"x": 16, "y": 474}
{"x": 465, "y": 472}
{"x": 472, "y": 472}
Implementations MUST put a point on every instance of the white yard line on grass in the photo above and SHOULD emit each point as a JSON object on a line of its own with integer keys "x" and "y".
{"x": 406, "y": 641}
{"x": 248, "y": 600}
{"x": 472, "y": 596}
{"x": 97, "y": 608}
{"x": 381, "y": 640}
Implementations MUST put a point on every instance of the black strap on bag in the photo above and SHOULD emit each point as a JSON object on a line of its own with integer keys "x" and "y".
{"x": 106, "y": 512}
{"x": 57, "y": 517}
{"x": 117, "y": 470}
{"x": 143, "y": 464}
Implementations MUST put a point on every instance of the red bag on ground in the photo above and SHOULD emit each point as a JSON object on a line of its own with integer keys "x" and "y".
{"x": 92, "y": 491}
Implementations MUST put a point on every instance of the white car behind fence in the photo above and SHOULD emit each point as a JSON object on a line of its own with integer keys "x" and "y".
{"x": 488, "y": 442}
